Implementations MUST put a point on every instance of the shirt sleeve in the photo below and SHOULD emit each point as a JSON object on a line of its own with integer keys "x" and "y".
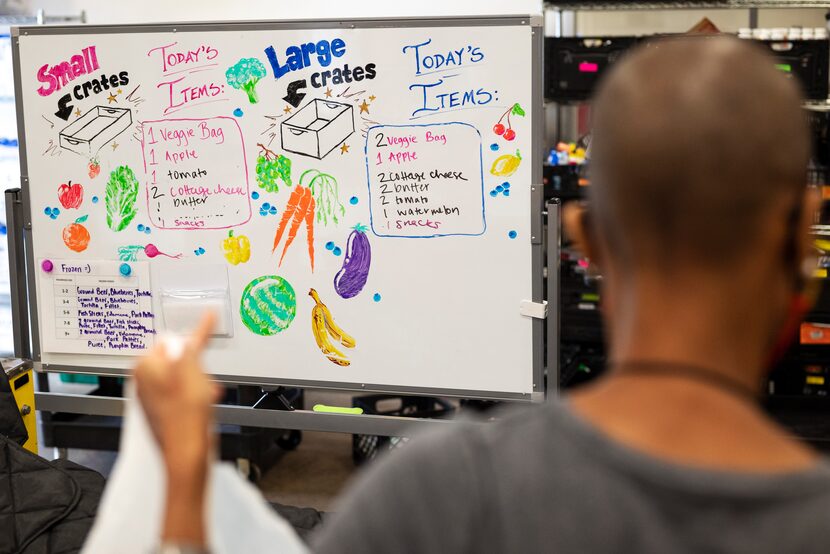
{"x": 422, "y": 498}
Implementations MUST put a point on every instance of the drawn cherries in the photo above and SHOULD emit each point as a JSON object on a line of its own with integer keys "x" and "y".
{"x": 507, "y": 133}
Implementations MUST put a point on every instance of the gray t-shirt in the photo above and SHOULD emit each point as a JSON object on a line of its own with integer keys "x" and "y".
{"x": 544, "y": 480}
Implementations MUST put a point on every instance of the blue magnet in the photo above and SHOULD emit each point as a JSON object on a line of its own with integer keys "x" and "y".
{"x": 47, "y": 266}
{"x": 125, "y": 270}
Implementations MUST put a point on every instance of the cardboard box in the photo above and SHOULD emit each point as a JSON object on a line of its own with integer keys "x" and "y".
{"x": 317, "y": 128}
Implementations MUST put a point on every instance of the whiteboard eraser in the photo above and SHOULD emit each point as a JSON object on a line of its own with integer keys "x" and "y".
{"x": 536, "y": 310}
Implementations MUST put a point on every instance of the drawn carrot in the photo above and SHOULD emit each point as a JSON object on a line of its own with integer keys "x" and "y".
{"x": 300, "y": 205}
{"x": 309, "y": 227}
{"x": 287, "y": 214}
{"x": 299, "y": 217}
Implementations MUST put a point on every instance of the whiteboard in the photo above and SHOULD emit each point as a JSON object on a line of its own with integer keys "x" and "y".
{"x": 353, "y": 199}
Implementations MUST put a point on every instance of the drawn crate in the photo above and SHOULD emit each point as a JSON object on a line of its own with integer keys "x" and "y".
{"x": 318, "y": 128}
{"x": 87, "y": 134}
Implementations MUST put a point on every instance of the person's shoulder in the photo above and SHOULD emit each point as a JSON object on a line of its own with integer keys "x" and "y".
{"x": 512, "y": 424}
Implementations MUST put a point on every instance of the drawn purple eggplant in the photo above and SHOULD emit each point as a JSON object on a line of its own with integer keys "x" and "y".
{"x": 351, "y": 278}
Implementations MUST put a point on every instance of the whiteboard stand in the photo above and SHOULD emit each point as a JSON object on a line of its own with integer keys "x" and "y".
{"x": 249, "y": 416}
{"x": 554, "y": 246}
{"x": 544, "y": 241}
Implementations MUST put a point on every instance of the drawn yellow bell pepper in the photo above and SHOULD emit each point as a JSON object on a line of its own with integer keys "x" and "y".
{"x": 506, "y": 165}
{"x": 237, "y": 249}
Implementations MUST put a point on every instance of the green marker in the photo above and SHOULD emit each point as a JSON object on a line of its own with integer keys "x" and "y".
{"x": 784, "y": 67}
{"x": 336, "y": 410}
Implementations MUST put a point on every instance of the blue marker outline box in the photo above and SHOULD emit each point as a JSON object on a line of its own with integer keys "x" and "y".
{"x": 481, "y": 175}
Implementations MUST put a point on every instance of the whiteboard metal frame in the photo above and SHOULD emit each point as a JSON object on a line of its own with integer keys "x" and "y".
{"x": 27, "y": 295}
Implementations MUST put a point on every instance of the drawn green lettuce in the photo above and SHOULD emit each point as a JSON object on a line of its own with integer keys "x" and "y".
{"x": 121, "y": 195}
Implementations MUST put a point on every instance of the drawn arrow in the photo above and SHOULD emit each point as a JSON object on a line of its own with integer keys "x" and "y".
{"x": 64, "y": 108}
{"x": 293, "y": 97}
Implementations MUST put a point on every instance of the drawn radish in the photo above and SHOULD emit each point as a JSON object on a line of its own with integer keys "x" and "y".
{"x": 352, "y": 277}
{"x": 152, "y": 251}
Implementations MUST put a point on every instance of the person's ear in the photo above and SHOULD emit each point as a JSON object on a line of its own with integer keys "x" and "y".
{"x": 805, "y": 252}
{"x": 577, "y": 226}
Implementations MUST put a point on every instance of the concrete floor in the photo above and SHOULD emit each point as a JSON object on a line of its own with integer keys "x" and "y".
{"x": 311, "y": 476}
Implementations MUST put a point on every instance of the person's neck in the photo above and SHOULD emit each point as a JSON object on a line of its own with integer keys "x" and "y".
{"x": 693, "y": 322}
{"x": 675, "y": 414}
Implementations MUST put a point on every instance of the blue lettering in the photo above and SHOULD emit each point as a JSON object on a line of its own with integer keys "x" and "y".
{"x": 299, "y": 57}
{"x": 424, "y": 88}
{"x": 279, "y": 70}
{"x": 417, "y": 55}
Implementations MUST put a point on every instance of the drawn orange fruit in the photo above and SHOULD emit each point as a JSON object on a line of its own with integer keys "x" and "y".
{"x": 76, "y": 236}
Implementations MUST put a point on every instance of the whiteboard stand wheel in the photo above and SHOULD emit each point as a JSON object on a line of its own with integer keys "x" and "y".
{"x": 255, "y": 474}
{"x": 243, "y": 466}
{"x": 291, "y": 440}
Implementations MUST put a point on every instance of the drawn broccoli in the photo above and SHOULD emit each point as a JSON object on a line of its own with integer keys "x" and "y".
{"x": 244, "y": 75}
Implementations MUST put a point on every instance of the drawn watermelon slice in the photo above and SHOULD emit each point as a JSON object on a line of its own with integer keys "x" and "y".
{"x": 268, "y": 305}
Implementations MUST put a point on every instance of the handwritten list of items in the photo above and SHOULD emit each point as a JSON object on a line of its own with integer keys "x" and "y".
{"x": 196, "y": 173}
{"x": 97, "y": 309}
{"x": 425, "y": 180}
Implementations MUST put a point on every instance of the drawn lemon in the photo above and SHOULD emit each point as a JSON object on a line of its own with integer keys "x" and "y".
{"x": 268, "y": 305}
{"x": 506, "y": 165}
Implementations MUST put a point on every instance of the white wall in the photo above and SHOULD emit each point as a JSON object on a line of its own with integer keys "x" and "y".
{"x": 588, "y": 23}
{"x": 678, "y": 21}
{"x": 142, "y": 11}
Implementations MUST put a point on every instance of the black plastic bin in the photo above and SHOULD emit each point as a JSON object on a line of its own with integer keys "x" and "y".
{"x": 367, "y": 447}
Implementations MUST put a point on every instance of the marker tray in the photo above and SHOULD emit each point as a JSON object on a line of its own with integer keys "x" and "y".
{"x": 90, "y": 132}
{"x": 317, "y": 128}
{"x": 367, "y": 447}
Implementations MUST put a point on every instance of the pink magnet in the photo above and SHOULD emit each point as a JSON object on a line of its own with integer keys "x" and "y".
{"x": 47, "y": 266}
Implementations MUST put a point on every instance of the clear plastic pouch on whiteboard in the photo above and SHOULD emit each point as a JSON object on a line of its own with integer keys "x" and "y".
{"x": 182, "y": 310}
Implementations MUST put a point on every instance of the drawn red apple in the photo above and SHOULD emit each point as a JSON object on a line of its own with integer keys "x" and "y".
{"x": 71, "y": 195}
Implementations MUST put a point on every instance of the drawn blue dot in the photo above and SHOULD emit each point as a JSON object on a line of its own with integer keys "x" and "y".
{"x": 53, "y": 215}
{"x": 56, "y": 212}
{"x": 376, "y": 297}
{"x": 255, "y": 195}
{"x": 499, "y": 188}
{"x": 238, "y": 112}
{"x": 140, "y": 228}
{"x": 48, "y": 211}
{"x": 493, "y": 193}
{"x": 146, "y": 230}
{"x": 329, "y": 245}
{"x": 494, "y": 147}
{"x": 512, "y": 234}
{"x": 94, "y": 199}
{"x": 505, "y": 185}
{"x": 353, "y": 200}
{"x": 263, "y": 212}
{"x": 337, "y": 251}
{"x": 202, "y": 250}
{"x": 266, "y": 206}
{"x": 273, "y": 210}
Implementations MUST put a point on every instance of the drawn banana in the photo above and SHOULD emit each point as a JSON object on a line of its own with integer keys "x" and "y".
{"x": 323, "y": 326}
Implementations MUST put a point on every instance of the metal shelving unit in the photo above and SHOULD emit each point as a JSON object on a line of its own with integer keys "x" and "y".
{"x": 724, "y": 4}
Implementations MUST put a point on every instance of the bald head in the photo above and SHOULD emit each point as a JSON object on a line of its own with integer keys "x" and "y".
{"x": 694, "y": 140}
